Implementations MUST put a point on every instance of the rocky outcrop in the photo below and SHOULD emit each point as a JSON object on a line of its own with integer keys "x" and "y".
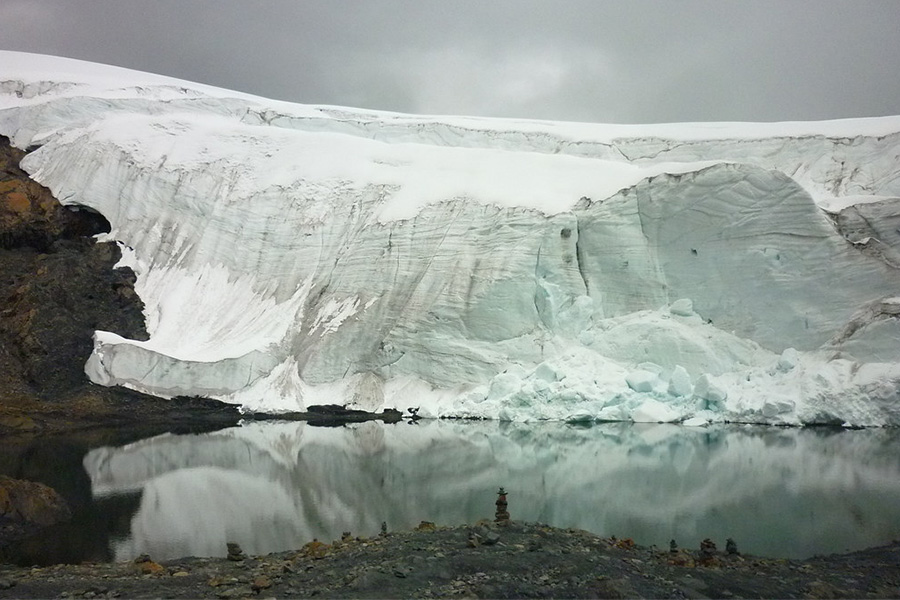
{"x": 57, "y": 286}
{"x": 27, "y": 508}
{"x": 30, "y": 503}
{"x": 30, "y": 217}
{"x": 55, "y": 303}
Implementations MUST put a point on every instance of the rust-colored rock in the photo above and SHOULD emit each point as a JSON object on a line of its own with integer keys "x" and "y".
{"x": 626, "y": 544}
{"x": 29, "y": 214}
{"x": 17, "y": 203}
{"x": 315, "y": 549}
{"x": 31, "y": 503}
{"x": 144, "y": 565}
{"x": 425, "y": 526}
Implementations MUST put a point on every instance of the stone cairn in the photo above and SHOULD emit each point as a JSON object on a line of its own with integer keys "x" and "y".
{"x": 731, "y": 547}
{"x": 234, "y": 552}
{"x": 502, "y": 515}
{"x": 707, "y": 550}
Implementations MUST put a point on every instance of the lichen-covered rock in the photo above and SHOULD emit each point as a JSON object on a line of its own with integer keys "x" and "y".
{"x": 57, "y": 286}
{"x": 30, "y": 215}
{"x": 31, "y": 504}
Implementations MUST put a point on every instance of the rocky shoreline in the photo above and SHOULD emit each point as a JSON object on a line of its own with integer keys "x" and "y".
{"x": 485, "y": 560}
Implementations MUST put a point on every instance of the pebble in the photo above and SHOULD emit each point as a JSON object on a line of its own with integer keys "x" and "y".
{"x": 490, "y": 538}
{"x": 148, "y": 567}
{"x": 217, "y": 581}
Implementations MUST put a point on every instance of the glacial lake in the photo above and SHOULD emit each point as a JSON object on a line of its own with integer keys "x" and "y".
{"x": 778, "y": 492}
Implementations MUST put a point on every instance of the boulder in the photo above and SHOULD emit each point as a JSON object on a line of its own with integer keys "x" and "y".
{"x": 28, "y": 503}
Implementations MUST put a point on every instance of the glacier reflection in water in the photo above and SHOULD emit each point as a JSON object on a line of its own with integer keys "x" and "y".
{"x": 276, "y": 486}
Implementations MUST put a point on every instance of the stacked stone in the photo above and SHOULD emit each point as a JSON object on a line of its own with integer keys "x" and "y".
{"x": 234, "y": 552}
{"x": 707, "y": 550}
{"x": 502, "y": 514}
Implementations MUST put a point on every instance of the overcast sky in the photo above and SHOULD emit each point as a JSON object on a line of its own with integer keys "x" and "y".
{"x": 625, "y": 61}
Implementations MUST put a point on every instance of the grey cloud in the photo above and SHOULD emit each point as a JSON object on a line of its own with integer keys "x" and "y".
{"x": 587, "y": 60}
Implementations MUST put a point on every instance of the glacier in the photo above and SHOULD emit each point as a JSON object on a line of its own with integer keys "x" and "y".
{"x": 290, "y": 255}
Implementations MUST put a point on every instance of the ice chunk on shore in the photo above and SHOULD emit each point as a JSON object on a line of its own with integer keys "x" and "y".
{"x": 680, "y": 382}
{"x": 654, "y": 411}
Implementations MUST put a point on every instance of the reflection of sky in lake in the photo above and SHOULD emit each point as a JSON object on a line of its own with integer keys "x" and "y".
{"x": 271, "y": 487}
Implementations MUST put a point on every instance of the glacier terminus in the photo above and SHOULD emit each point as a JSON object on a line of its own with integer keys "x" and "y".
{"x": 290, "y": 255}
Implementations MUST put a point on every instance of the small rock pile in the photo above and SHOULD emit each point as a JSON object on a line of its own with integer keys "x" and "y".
{"x": 234, "y": 552}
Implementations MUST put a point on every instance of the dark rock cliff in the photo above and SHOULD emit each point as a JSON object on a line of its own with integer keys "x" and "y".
{"x": 57, "y": 286}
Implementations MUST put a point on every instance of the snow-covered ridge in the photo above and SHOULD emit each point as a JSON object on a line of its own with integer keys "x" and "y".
{"x": 290, "y": 254}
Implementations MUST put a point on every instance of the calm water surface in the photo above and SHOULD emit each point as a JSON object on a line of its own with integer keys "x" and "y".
{"x": 275, "y": 486}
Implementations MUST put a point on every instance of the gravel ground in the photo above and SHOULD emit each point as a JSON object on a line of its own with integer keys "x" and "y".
{"x": 518, "y": 560}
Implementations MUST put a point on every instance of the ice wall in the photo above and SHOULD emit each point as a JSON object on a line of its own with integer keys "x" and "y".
{"x": 290, "y": 255}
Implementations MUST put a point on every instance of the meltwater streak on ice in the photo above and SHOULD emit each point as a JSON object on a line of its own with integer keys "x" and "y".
{"x": 290, "y": 255}
{"x": 270, "y": 487}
